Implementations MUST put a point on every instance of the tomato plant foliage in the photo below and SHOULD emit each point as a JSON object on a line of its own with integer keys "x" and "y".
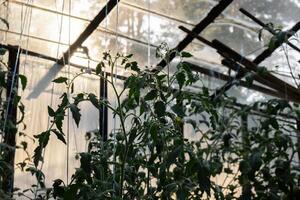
{"x": 150, "y": 156}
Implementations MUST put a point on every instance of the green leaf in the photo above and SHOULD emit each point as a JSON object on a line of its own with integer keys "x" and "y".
{"x": 59, "y": 135}
{"x": 171, "y": 157}
{"x": 255, "y": 161}
{"x": 24, "y": 144}
{"x": 51, "y": 112}
{"x": 185, "y": 54}
{"x": 65, "y": 100}
{"x": 72, "y": 88}
{"x": 153, "y": 131}
{"x": 85, "y": 162}
{"x": 99, "y": 67}
{"x": 59, "y": 121}
{"x": 23, "y": 80}
{"x": 2, "y": 51}
{"x": 2, "y": 78}
{"x": 93, "y": 100}
{"x": 180, "y": 77}
{"x": 16, "y": 100}
{"x": 60, "y": 80}
{"x": 129, "y": 56}
{"x": 159, "y": 108}
{"x": 203, "y": 175}
{"x": 134, "y": 66}
{"x": 43, "y": 139}
{"x": 151, "y": 95}
{"x": 244, "y": 167}
{"x": 273, "y": 122}
{"x": 75, "y": 113}
{"x": 178, "y": 109}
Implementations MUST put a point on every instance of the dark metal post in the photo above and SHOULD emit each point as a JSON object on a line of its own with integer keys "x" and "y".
{"x": 103, "y": 112}
{"x": 10, "y": 125}
{"x": 298, "y": 139}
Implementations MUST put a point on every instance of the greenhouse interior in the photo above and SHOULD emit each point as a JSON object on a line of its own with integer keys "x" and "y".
{"x": 149, "y": 99}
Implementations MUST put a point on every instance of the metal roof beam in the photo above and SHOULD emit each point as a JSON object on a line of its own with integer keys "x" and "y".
{"x": 210, "y": 17}
{"x": 88, "y": 31}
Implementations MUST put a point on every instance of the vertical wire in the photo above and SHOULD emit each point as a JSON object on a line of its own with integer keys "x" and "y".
{"x": 28, "y": 22}
{"x": 148, "y": 63}
{"x": 28, "y": 32}
{"x": 15, "y": 68}
{"x": 52, "y": 87}
{"x": 115, "y": 103}
{"x": 68, "y": 93}
{"x": 26, "y": 50}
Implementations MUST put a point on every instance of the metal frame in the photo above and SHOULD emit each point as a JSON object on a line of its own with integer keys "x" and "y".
{"x": 10, "y": 132}
{"x": 88, "y": 31}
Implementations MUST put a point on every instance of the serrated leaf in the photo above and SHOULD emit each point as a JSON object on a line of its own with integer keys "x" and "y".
{"x": 59, "y": 121}
{"x": 43, "y": 139}
{"x": 59, "y": 135}
{"x": 75, "y": 113}
{"x": 64, "y": 101}
{"x": 23, "y": 80}
{"x": 60, "y": 80}
{"x": 51, "y": 112}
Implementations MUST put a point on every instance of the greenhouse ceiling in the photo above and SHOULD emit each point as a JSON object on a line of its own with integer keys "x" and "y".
{"x": 139, "y": 27}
